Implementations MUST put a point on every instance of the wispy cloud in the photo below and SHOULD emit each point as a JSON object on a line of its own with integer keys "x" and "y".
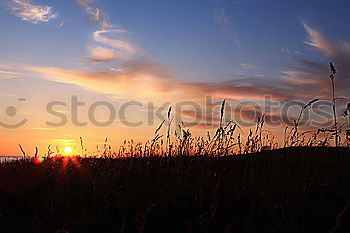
{"x": 4, "y": 66}
{"x": 60, "y": 25}
{"x": 286, "y": 51}
{"x": 30, "y": 12}
{"x": 225, "y": 24}
{"x": 96, "y": 15}
{"x": 335, "y": 50}
{"x": 101, "y": 36}
{"x": 119, "y": 70}
{"x": 331, "y": 48}
{"x": 101, "y": 54}
{"x": 84, "y": 2}
{"x": 248, "y": 66}
{"x": 138, "y": 80}
{"x": 319, "y": 41}
{"x": 303, "y": 83}
{"x": 43, "y": 129}
{"x": 9, "y": 74}
{"x": 143, "y": 79}
{"x": 108, "y": 45}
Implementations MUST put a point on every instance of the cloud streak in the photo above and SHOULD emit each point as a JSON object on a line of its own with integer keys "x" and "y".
{"x": 84, "y": 2}
{"x": 337, "y": 51}
{"x": 248, "y": 66}
{"x": 225, "y": 24}
{"x": 319, "y": 41}
{"x": 9, "y": 74}
{"x": 101, "y": 54}
{"x": 100, "y": 36}
{"x": 143, "y": 79}
{"x": 108, "y": 45}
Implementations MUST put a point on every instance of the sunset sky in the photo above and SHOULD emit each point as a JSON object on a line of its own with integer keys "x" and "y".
{"x": 159, "y": 51}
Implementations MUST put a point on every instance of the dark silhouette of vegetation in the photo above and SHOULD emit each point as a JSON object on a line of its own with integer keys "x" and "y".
{"x": 299, "y": 189}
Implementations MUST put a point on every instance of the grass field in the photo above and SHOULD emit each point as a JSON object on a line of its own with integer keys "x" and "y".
{"x": 301, "y": 189}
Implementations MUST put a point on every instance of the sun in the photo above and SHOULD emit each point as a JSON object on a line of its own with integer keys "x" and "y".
{"x": 68, "y": 150}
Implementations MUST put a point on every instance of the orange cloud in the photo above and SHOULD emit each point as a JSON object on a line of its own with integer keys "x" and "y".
{"x": 32, "y": 13}
{"x": 84, "y": 2}
{"x": 337, "y": 51}
{"x": 319, "y": 41}
{"x": 9, "y": 74}
{"x": 303, "y": 83}
{"x": 100, "y": 54}
{"x": 137, "y": 81}
{"x": 143, "y": 79}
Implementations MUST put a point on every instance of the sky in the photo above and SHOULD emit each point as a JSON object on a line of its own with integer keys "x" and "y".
{"x": 99, "y": 68}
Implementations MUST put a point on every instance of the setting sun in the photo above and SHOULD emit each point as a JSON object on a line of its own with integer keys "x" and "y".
{"x": 68, "y": 150}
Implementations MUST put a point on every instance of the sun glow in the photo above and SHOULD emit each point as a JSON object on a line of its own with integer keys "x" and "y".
{"x": 68, "y": 150}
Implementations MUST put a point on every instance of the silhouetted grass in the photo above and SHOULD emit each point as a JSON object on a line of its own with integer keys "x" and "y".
{"x": 299, "y": 189}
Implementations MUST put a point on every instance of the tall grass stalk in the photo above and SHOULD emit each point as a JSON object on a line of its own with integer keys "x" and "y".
{"x": 22, "y": 150}
{"x": 332, "y": 76}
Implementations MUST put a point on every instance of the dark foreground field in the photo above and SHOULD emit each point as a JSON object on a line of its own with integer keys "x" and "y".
{"x": 287, "y": 190}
